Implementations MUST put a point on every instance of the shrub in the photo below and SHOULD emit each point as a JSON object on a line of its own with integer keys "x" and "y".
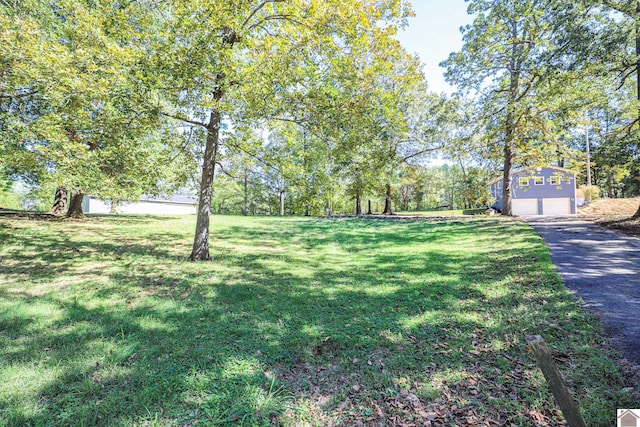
{"x": 590, "y": 192}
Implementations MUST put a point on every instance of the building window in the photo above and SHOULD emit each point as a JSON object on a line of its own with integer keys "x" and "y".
{"x": 523, "y": 182}
{"x": 554, "y": 180}
{"x": 538, "y": 180}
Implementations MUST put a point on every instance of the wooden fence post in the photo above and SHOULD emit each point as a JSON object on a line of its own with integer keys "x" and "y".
{"x": 569, "y": 407}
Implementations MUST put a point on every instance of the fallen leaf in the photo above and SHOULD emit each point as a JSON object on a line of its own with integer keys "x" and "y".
{"x": 342, "y": 405}
{"x": 538, "y": 416}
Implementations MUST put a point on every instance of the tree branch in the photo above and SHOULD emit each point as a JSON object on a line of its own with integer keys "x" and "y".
{"x": 184, "y": 119}
{"x": 257, "y": 9}
{"x": 264, "y": 162}
{"x": 624, "y": 76}
{"x": 18, "y": 95}
{"x": 421, "y": 152}
{"x": 184, "y": 146}
{"x": 274, "y": 17}
{"x": 225, "y": 172}
{"x": 9, "y": 4}
{"x": 617, "y": 8}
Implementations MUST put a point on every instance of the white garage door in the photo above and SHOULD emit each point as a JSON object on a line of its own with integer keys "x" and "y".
{"x": 524, "y": 206}
{"x": 560, "y": 206}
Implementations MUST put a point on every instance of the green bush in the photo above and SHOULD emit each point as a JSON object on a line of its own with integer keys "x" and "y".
{"x": 591, "y": 192}
{"x": 8, "y": 198}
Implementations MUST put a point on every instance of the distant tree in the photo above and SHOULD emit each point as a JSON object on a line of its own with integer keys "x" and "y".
{"x": 618, "y": 36}
{"x": 8, "y": 199}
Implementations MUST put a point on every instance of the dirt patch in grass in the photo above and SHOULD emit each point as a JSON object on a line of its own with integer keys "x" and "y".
{"x": 615, "y": 214}
{"x": 610, "y": 208}
{"x": 41, "y": 216}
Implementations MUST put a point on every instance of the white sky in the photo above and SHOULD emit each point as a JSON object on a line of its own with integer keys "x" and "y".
{"x": 433, "y": 34}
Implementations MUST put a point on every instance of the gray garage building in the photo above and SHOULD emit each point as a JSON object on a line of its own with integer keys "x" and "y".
{"x": 539, "y": 191}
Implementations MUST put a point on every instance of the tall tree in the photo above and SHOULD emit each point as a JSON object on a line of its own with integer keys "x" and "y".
{"x": 510, "y": 50}
{"x": 72, "y": 97}
{"x": 622, "y": 36}
{"x": 250, "y": 59}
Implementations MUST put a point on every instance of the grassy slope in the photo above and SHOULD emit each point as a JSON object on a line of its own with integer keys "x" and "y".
{"x": 295, "y": 322}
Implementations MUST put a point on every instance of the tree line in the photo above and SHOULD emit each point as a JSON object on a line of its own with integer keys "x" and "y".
{"x": 258, "y": 190}
{"x": 544, "y": 73}
{"x": 268, "y": 106}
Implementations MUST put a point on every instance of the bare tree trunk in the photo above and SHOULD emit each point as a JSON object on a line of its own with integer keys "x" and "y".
{"x": 405, "y": 198}
{"x": 560, "y": 158}
{"x": 610, "y": 185}
{"x": 200, "y": 251}
{"x": 306, "y": 210}
{"x": 75, "y": 206}
{"x": 588, "y": 153}
{"x": 465, "y": 185}
{"x": 387, "y": 202}
{"x": 358, "y": 204}
{"x": 245, "y": 210}
{"x": 282, "y": 193}
{"x": 369, "y": 210}
{"x": 60, "y": 203}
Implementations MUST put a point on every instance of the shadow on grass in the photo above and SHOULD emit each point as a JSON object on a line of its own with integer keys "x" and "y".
{"x": 330, "y": 318}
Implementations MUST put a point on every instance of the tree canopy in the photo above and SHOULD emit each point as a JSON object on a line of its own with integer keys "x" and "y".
{"x": 295, "y": 104}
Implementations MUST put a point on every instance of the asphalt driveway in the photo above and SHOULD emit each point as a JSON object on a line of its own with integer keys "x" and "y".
{"x": 603, "y": 268}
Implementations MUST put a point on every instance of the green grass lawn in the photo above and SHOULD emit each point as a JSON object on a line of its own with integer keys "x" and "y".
{"x": 295, "y": 322}
{"x": 444, "y": 212}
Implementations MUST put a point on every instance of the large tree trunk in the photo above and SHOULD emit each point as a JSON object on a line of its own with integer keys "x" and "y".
{"x": 369, "y": 208}
{"x": 387, "y": 201}
{"x": 508, "y": 166}
{"x": 75, "y": 206}
{"x": 200, "y": 251}
{"x": 358, "y": 204}
{"x": 60, "y": 203}
{"x": 514, "y": 71}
